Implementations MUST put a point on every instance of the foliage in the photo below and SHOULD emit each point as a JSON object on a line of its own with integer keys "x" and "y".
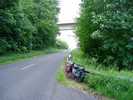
{"x": 12, "y": 57}
{"x": 7, "y": 3}
{"x": 111, "y": 86}
{"x": 105, "y": 31}
{"x": 61, "y": 44}
{"x": 27, "y": 24}
{"x": 108, "y": 82}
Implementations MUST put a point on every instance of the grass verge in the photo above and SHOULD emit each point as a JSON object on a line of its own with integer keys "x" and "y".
{"x": 13, "y": 57}
{"x": 62, "y": 79}
{"x": 108, "y": 82}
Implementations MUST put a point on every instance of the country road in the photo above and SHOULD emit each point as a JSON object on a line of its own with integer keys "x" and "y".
{"x": 35, "y": 79}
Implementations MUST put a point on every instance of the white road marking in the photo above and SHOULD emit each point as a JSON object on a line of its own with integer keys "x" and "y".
{"x": 28, "y": 66}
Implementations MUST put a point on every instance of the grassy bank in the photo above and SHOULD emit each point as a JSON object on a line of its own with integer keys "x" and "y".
{"x": 13, "y": 57}
{"x": 63, "y": 80}
{"x": 108, "y": 82}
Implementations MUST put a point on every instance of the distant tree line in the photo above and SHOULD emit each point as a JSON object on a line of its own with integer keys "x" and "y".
{"x": 105, "y": 31}
{"x": 27, "y": 24}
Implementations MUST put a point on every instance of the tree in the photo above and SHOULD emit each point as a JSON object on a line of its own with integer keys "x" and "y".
{"x": 105, "y": 31}
{"x": 27, "y": 24}
{"x": 4, "y": 4}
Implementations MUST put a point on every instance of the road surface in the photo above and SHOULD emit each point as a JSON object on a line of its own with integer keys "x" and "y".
{"x": 35, "y": 79}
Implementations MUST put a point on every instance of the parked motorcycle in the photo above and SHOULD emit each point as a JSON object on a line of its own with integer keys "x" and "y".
{"x": 74, "y": 71}
{"x": 79, "y": 73}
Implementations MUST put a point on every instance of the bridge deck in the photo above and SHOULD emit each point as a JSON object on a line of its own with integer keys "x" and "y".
{"x": 66, "y": 26}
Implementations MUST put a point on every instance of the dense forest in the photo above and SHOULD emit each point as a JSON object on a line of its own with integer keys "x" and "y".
{"x": 105, "y": 31}
{"x": 27, "y": 25}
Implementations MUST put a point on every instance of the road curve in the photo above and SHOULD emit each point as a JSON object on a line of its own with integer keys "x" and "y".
{"x": 35, "y": 79}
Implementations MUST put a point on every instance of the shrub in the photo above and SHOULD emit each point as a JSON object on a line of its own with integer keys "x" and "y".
{"x": 61, "y": 44}
{"x": 3, "y": 46}
{"x": 28, "y": 24}
{"x": 7, "y": 3}
{"x": 106, "y": 81}
{"x": 111, "y": 86}
{"x": 105, "y": 31}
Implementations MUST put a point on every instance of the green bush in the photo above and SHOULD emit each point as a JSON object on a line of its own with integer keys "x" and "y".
{"x": 108, "y": 82}
{"x": 45, "y": 23}
{"x": 27, "y": 24}
{"x": 3, "y": 46}
{"x": 15, "y": 28}
{"x": 61, "y": 44}
{"x": 7, "y": 3}
{"x": 111, "y": 86}
{"x": 105, "y": 31}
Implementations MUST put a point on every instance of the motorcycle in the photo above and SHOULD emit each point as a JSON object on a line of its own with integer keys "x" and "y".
{"x": 74, "y": 71}
{"x": 79, "y": 73}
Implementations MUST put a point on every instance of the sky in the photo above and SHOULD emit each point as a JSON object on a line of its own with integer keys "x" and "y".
{"x": 69, "y": 37}
{"x": 69, "y": 10}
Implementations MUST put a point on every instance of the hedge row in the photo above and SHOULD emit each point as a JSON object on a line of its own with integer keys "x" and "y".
{"x": 27, "y": 24}
{"x": 105, "y": 31}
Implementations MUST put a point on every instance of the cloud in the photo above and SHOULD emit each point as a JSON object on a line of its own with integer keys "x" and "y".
{"x": 69, "y": 10}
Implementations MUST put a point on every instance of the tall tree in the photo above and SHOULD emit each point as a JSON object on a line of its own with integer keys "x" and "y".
{"x": 27, "y": 24}
{"x": 105, "y": 31}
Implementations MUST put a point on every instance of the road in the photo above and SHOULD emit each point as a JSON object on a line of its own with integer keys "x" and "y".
{"x": 35, "y": 79}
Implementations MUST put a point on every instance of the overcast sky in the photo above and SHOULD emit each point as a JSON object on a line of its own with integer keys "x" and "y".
{"x": 69, "y": 9}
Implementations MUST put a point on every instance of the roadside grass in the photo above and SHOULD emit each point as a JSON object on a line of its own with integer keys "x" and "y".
{"x": 106, "y": 81}
{"x": 14, "y": 57}
{"x": 63, "y": 80}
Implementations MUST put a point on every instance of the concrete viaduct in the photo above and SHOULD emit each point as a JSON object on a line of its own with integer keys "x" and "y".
{"x": 66, "y": 26}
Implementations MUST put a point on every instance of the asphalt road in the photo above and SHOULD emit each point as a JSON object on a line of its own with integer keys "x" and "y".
{"x": 35, "y": 79}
